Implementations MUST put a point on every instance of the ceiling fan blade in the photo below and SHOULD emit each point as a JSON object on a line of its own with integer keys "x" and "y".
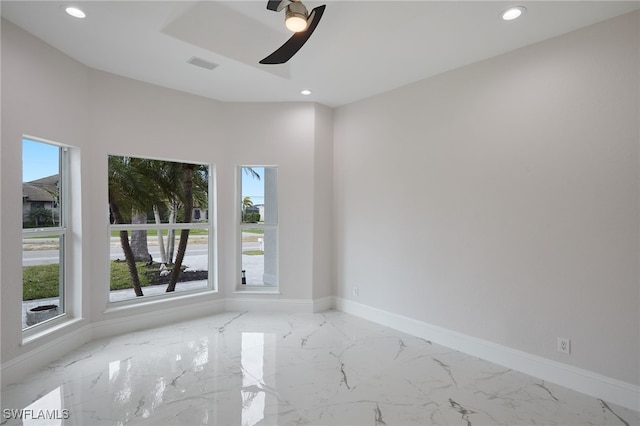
{"x": 291, "y": 47}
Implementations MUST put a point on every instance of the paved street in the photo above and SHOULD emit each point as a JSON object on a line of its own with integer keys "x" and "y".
{"x": 44, "y": 257}
{"x": 43, "y": 251}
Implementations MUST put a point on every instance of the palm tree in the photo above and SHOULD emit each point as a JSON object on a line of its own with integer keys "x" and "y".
{"x": 41, "y": 216}
{"x": 246, "y": 203}
{"x": 187, "y": 198}
{"x": 129, "y": 191}
{"x": 168, "y": 177}
{"x": 139, "y": 238}
{"x": 195, "y": 191}
{"x": 249, "y": 171}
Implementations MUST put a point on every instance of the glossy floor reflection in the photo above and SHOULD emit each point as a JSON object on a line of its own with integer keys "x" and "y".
{"x": 266, "y": 369}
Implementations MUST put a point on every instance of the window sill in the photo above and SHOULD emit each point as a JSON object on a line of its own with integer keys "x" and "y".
{"x": 125, "y": 305}
{"x": 38, "y": 332}
{"x": 257, "y": 290}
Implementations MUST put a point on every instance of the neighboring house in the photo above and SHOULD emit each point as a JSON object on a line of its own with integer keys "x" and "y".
{"x": 200, "y": 215}
{"x": 40, "y": 194}
{"x": 261, "y": 210}
{"x": 256, "y": 208}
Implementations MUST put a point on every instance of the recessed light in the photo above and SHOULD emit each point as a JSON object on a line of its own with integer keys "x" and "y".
{"x": 305, "y": 92}
{"x": 75, "y": 12}
{"x": 513, "y": 13}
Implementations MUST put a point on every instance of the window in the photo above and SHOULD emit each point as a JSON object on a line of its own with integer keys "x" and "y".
{"x": 258, "y": 227}
{"x": 44, "y": 230}
{"x": 160, "y": 234}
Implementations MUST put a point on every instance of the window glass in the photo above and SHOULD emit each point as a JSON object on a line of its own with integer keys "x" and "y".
{"x": 259, "y": 226}
{"x": 160, "y": 232}
{"x": 44, "y": 229}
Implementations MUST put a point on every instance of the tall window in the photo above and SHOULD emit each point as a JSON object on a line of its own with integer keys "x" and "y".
{"x": 258, "y": 226}
{"x": 160, "y": 232}
{"x": 44, "y": 230}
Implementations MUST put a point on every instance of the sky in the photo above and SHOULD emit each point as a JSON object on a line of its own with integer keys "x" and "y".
{"x": 252, "y": 187}
{"x": 39, "y": 160}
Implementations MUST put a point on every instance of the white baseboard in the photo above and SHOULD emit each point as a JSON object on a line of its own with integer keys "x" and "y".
{"x": 280, "y": 305}
{"x": 583, "y": 381}
{"x": 324, "y": 304}
{"x": 12, "y": 371}
{"x": 156, "y": 318}
{"x": 255, "y": 304}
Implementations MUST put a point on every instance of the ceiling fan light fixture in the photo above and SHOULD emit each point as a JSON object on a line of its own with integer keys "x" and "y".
{"x": 296, "y": 23}
{"x": 296, "y": 17}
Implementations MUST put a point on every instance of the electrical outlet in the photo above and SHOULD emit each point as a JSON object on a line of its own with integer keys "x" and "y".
{"x": 564, "y": 345}
{"x": 356, "y": 291}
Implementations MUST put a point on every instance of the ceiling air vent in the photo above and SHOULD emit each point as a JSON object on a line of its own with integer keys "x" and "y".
{"x": 199, "y": 62}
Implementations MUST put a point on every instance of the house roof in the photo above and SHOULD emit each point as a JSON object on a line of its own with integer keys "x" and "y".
{"x": 46, "y": 182}
{"x": 41, "y": 189}
{"x": 34, "y": 193}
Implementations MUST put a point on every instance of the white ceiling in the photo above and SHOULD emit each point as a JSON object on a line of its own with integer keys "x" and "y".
{"x": 359, "y": 49}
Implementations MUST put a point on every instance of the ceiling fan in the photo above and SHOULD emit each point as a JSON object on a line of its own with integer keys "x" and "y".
{"x": 298, "y": 20}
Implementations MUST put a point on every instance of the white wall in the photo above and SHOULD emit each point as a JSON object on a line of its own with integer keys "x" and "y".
{"x": 281, "y": 134}
{"x": 48, "y": 95}
{"x": 322, "y": 209}
{"x": 501, "y": 200}
{"x": 44, "y": 94}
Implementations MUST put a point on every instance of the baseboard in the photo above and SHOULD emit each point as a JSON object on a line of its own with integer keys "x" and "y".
{"x": 12, "y": 371}
{"x": 156, "y": 318}
{"x": 280, "y": 305}
{"x": 583, "y": 381}
{"x": 255, "y": 304}
{"x": 324, "y": 304}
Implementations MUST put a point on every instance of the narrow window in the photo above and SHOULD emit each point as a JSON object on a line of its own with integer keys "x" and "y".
{"x": 44, "y": 231}
{"x": 160, "y": 234}
{"x": 258, "y": 226}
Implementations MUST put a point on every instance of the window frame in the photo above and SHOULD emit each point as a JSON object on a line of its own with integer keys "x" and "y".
{"x": 62, "y": 231}
{"x": 209, "y": 225}
{"x": 241, "y": 226}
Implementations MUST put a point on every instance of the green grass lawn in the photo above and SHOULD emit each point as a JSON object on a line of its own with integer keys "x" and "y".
{"x": 41, "y": 281}
{"x": 120, "y": 278}
{"x": 253, "y": 252}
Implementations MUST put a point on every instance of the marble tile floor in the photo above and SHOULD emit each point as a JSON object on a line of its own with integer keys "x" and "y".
{"x": 289, "y": 369}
